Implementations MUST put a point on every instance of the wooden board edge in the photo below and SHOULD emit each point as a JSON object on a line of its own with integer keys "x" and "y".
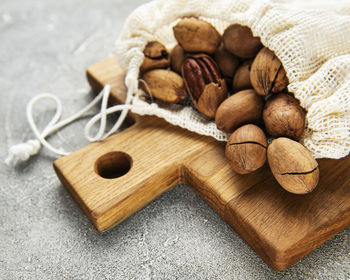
{"x": 75, "y": 196}
{"x": 144, "y": 195}
{"x": 282, "y": 258}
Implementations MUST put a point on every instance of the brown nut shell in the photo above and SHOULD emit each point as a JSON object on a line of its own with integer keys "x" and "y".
{"x": 197, "y": 36}
{"x": 246, "y": 149}
{"x": 239, "y": 40}
{"x": 156, "y": 56}
{"x": 227, "y": 62}
{"x": 212, "y": 96}
{"x": 267, "y": 74}
{"x": 164, "y": 85}
{"x": 241, "y": 79}
{"x": 283, "y": 116}
{"x": 241, "y": 108}
{"x": 177, "y": 58}
{"x": 293, "y": 166}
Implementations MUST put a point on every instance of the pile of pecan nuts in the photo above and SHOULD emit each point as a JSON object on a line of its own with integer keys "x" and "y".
{"x": 236, "y": 81}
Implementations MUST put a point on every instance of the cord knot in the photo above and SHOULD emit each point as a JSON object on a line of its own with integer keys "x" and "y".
{"x": 22, "y": 151}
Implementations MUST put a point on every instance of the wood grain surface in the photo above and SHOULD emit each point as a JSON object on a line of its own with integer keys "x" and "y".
{"x": 281, "y": 227}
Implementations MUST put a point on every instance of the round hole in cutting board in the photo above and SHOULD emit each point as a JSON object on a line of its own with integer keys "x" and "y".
{"x": 113, "y": 165}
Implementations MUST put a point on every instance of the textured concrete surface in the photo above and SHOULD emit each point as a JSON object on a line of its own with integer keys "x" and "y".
{"x": 45, "y": 45}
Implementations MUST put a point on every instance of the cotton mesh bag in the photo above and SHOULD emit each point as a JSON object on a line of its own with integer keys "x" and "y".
{"x": 311, "y": 39}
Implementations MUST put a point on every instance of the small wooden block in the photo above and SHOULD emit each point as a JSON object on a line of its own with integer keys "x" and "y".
{"x": 155, "y": 155}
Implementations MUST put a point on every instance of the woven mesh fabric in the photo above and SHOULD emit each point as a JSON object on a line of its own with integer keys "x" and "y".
{"x": 311, "y": 38}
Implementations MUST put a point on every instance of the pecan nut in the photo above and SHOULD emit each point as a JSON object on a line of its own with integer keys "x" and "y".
{"x": 197, "y": 36}
{"x": 246, "y": 149}
{"x": 293, "y": 166}
{"x": 164, "y": 85}
{"x": 204, "y": 84}
{"x": 155, "y": 56}
{"x": 267, "y": 74}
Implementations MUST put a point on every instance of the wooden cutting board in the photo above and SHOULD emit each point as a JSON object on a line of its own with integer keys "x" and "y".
{"x": 155, "y": 156}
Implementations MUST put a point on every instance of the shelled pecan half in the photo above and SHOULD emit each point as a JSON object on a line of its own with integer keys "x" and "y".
{"x": 204, "y": 83}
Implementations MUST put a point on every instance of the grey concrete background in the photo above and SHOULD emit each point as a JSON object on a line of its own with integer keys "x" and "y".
{"x": 45, "y": 46}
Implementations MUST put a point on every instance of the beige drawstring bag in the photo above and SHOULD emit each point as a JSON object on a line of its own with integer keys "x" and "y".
{"x": 311, "y": 38}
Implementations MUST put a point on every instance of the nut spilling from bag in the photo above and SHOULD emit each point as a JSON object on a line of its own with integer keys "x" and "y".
{"x": 293, "y": 165}
{"x": 241, "y": 84}
{"x": 246, "y": 149}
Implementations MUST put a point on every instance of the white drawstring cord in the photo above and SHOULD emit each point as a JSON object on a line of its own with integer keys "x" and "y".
{"x": 101, "y": 115}
{"x": 23, "y": 151}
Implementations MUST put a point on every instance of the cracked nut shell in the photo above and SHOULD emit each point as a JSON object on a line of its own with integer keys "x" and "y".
{"x": 239, "y": 40}
{"x": 241, "y": 79}
{"x": 246, "y": 149}
{"x": 204, "y": 84}
{"x": 227, "y": 62}
{"x": 156, "y": 56}
{"x": 197, "y": 36}
{"x": 177, "y": 58}
{"x": 164, "y": 85}
{"x": 267, "y": 74}
{"x": 241, "y": 108}
{"x": 293, "y": 166}
{"x": 283, "y": 116}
